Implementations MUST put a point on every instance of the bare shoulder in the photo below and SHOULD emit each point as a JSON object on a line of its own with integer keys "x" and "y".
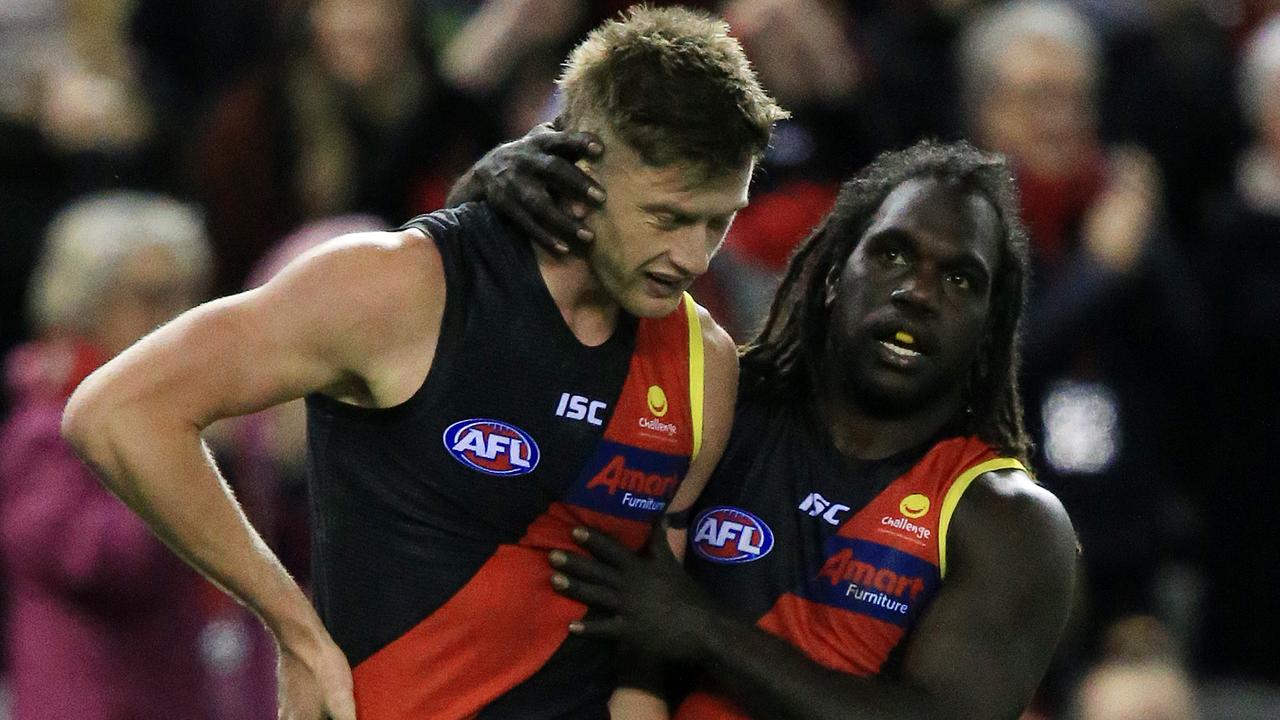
{"x": 983, "y": 643}
{"x": 369, "y": 269}
{"x": 1008, "y": 515}
{"x": 375, "y": 301}
{"x": 718, "y": 346}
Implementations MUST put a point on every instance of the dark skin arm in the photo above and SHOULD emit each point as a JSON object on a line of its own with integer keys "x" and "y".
{"x": 978, "y": 652}
{"x": 534, "y": 182}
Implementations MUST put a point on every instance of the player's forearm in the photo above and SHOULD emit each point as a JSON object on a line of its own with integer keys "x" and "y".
{"x": 770, "y": 678}
{"x": 629, "y": 703}
{"x": 161, "y": 470}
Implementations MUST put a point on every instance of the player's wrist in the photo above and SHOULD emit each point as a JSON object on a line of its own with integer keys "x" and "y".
{"x": 715, "y": 638}
{"x": 296, "y": 627}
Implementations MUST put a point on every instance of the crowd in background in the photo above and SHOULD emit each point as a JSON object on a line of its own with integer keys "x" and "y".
{"x": 157, "y": 152}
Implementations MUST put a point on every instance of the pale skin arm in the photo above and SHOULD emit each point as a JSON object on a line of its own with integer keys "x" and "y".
{"x": 332, "y": 322}
{"x": 720, "y": 392}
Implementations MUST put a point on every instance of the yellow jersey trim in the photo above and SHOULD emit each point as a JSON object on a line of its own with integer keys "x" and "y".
{"x": 952, "y": 499}
{"x": 695, "y": 372}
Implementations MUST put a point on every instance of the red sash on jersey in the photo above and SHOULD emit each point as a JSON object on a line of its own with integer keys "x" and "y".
{"x": 878, "y": 575}
{"x": 506, "y": 622}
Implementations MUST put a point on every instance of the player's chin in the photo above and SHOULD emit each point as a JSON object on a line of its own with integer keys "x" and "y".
{"x": 648, "y": 305}
{"x": 886, "y": 393}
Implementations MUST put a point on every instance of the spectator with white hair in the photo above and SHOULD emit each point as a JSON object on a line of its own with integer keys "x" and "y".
{"x": 103, "y": 621}
{"x": 1243, "y": 242}
{"x": 1116, "y": 331}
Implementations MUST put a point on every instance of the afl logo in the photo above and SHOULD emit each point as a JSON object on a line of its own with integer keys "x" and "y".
{"x": 729, "y": 535}
{"x": 491, "y": 446}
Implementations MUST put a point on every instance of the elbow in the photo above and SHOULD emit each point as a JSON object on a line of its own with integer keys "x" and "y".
{"x": 76, "y": 422}
{"x": 84, "y": 421}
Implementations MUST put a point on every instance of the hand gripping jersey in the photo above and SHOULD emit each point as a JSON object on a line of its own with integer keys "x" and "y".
{"x": 432, "y": 519}
{"x": 839, "y": 558}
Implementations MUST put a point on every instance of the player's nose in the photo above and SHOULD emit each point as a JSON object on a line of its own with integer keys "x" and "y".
{"x": 690, "y": 253}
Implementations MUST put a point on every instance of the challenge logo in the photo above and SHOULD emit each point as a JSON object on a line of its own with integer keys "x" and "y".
{"x": 657, "y": 401}
{"x": 906, "y": 526}
{"x": 914, "y": 506}
{"x": 491, "y": 446}
{"x": 730, "y": 535}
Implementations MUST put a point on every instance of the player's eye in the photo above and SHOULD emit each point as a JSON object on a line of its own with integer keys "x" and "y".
{"x": 961, "y": 280}
{"x": 893, "y": 256}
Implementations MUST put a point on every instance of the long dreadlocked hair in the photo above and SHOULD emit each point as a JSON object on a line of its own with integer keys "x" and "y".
{"x": 783, "y": 361}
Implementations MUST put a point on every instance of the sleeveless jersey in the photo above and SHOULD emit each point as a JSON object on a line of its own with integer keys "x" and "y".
{"x": 838, "y": 558}
{"x": 431, "y": 520}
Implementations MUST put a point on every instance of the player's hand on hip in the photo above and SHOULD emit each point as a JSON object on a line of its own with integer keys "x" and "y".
{"x": 534, "y": 182}
{"x": 652, "y": 604}
{"x": 315, "y": 683}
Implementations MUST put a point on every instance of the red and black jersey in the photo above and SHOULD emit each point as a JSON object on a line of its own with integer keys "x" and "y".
{"x": 432, "y": 519}
{"x": 837, "y": 557}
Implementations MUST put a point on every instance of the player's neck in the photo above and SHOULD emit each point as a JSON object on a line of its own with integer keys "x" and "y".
{"x": 867, "y": 435}
{"x": 589, "y": 311}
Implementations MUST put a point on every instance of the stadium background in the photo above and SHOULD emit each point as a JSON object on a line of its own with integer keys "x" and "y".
{"x": 1145, "y": 133}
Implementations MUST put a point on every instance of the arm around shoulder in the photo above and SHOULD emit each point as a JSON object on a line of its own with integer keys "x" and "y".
{"x": 978, "y": 652}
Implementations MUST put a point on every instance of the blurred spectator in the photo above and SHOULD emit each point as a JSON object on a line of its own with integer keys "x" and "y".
{"x": 908, "y": 48}
{"x": 349, "y": 117}
{"x": 72, "y": 120}
{"x": 1170, "y": 93}
{"x": 103, "y": 620}
{"x": 191, "y": 50}
{"x": 1116, "y": 331}
{"x": 1242, "y": 257}
{"x": 507, "y": 53}
{"x": 1140, "y": 677}
{"x": 501, "y": 37}
{"x": 805, "y": 55}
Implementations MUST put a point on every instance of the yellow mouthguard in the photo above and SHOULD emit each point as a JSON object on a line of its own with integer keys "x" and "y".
{"x": 904, "y": 337}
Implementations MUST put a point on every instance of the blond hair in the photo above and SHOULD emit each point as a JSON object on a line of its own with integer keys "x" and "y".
{"x": 673, "y": 85}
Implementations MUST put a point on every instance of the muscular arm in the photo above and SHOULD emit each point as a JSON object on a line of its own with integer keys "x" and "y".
{"x": 332, "y": 322}
{"x": 978, "y": 652}
{"x": 638, "y": 697}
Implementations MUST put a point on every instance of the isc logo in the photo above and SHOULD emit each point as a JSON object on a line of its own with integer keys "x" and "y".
{"x": 491, "y": 446}
{"x": 816, "y": 505}
{"x": 729, "y": 535}
{"x": 576, "y": 407}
